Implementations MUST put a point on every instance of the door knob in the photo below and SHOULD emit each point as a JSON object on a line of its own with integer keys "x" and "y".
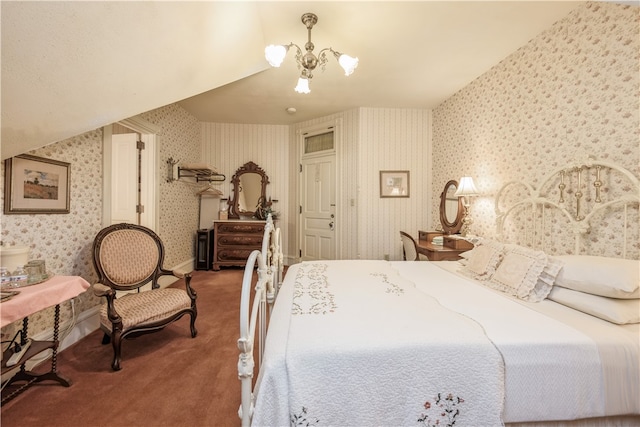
{"x": 331, "y": 225}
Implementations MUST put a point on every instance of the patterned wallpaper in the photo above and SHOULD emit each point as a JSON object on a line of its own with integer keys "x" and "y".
{"x": 573, "y": 89}
{"x": 64, "y": 241}
{"x": 570, "y": 92}
{"x": 179, "y": 209}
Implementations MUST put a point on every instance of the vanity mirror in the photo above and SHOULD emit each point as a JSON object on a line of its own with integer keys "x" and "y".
{"x": 451, "y": 209}
{"x": 249, "y": 187}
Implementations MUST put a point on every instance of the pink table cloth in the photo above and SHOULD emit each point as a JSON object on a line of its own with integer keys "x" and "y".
{"x": 32, "y": 299}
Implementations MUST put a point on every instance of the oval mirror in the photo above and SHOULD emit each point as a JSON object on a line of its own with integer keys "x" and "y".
{"x": 249, "y": 187}
{"x": 451, "y": 209}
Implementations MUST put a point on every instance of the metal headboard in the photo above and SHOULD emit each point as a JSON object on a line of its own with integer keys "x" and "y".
{"x": 574, "y": 197}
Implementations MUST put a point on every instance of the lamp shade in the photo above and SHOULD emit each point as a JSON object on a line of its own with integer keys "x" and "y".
{"x": 303, "y": 85}
{"x": 466, "y": 187}
{"x": 275, "y": 54}
{"x": 348, "y": 64}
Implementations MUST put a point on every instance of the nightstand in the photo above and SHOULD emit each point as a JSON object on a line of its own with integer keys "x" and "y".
{"x": 452, "y": 246}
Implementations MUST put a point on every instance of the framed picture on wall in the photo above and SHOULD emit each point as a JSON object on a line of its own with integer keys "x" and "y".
{"x": 36, "y": 185}
{"x": 394, "y": 183}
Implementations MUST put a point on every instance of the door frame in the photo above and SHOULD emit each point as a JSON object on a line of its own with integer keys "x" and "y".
{"x": 302, "y": 133}
{"x": 151, "y": 185}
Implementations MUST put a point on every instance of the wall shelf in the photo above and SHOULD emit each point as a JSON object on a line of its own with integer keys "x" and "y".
{"x": 199, "y": 174}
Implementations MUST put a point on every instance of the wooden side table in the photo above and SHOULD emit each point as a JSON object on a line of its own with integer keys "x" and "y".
{"x": 32, "y": 299}
{"x": 450, "y": 250}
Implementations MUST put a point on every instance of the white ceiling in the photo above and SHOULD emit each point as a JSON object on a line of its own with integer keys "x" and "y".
{"x": 70, "y": 67}
{"x": 412, "y": 55}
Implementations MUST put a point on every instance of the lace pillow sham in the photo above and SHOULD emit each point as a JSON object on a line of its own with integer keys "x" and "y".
{"x": 525, "y": 273}
{"x": 483, "y": 259}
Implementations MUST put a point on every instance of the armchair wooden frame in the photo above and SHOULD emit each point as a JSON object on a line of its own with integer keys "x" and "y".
{"x": 126, "y": 258}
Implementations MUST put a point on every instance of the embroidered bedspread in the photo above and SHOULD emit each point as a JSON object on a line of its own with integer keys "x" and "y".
{"x": 355, "y": 344}
{"x": 560, "y": 364}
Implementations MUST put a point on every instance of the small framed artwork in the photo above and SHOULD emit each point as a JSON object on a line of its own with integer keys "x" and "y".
{"x": 36, "y": 185}
{"x": 394, "y": 183}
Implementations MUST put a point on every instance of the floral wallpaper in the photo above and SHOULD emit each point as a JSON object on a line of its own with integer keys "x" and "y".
{"x": 569, "y": 93}
{"x": 179, "y": 209}
{"x": 64, "y": 240}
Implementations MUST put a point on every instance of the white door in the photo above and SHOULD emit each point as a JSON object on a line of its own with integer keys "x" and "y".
{"x": 318, "y": 207}
{"x": 124, "y": 178}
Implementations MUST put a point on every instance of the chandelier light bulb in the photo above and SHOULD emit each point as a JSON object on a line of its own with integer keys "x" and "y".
{"x": 275, "y": 54}
{"x": 307, "y": 60}
{"x": 348, "y": 64}
{"x": 303, "y": 85}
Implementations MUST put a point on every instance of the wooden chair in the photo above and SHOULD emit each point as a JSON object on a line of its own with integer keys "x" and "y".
{"x": 410, "y": 248}
{"x": 126, "y": 258}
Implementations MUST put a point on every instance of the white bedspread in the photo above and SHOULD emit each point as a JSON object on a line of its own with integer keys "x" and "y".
{"x": 355, "y": 344}
{"x": 370, "y": 342}
{"x": 560, "y": 364}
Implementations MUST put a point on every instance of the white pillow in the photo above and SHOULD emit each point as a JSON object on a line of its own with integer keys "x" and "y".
{"x": 525, "y": 273}
{"x": 483, "y": 259}
{"x": 620, "y": 311}
{"x": 597, "y": 275}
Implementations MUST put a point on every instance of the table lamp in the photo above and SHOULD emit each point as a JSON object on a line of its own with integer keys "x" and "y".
{"x": 466, "y": 189}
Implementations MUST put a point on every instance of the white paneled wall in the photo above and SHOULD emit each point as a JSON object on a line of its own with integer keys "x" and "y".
{"x": 367, "y": 140}
{"x": 392, "y": 139}
{"x": 346, "y": 140}
{"x": 227, "y": 146}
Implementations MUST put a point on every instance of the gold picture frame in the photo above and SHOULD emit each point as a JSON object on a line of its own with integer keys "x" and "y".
{"x": 394, "y": 184}
{"x": 35, "y": 185}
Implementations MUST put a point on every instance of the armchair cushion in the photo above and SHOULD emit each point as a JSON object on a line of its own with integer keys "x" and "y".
{"x": 138, "y": 309}
{"x": 128, "y": 256}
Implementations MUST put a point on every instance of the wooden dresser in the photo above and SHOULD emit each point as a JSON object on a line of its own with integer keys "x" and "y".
{"x": 234, "y": 240}
{"x": 450, "y": 250}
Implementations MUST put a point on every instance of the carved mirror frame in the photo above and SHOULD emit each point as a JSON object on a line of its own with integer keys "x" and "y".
{"x": 249, "y": 167}
{"x": 450, "y": 227}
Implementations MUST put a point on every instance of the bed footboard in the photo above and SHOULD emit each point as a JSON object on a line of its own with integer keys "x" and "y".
{"x": 253, "y": 310}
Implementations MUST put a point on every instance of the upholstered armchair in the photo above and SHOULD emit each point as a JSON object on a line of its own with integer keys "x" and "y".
{"x": 128, "y": 259}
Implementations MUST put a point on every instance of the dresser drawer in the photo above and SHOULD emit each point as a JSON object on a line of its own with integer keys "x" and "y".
{"x": 240, "y": 240}
{"x": 234, "y": 241}
{"x": 428, "y": 235}
{"x": 234, "y": 254}
{"x": 237, "y": 228}
{"x": 457, "y": 243}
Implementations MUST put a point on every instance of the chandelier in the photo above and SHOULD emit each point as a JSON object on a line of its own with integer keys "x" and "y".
{"x": 308, "y": 61}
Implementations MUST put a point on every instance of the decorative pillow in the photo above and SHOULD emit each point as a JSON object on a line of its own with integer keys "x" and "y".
{"x": 620, "y": 311}
{"x": 525, "y": 273}
{"x": 464, "y": 257}
{"x": 467, "y": 254}
{"x": 597, "y": 275}
{"x": 483, "y": 259}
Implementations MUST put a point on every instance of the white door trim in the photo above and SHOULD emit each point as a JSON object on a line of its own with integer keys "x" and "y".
{"x": 149, "y": 134}
{"x": 336, "y": 126}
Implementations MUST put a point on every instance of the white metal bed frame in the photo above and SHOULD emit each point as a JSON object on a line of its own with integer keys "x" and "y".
{"x": 270, "y": 259}
{"x": 253, "y": 314}
{"x": 552, "y": 194}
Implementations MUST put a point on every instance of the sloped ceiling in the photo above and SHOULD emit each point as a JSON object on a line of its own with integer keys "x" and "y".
{"x": 69, "y": 67}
